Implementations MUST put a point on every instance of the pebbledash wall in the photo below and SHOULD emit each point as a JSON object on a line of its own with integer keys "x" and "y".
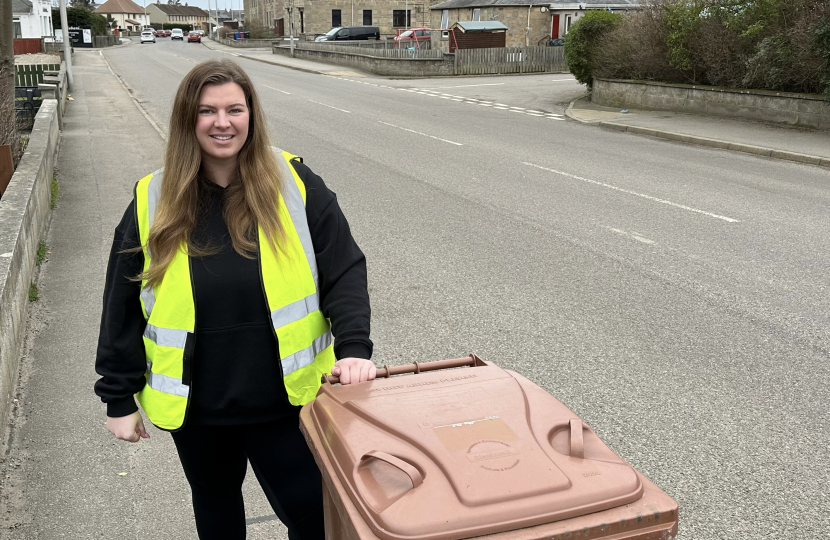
{"x": 24, "y": 215}
{"x": 802, "y": 110}
{"x": 390, "y": 67}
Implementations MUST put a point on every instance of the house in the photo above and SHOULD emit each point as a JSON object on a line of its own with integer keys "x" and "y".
{"x": 127, "y": 14}
{"x": 31, "y": 18}
{"x": 161, "y": 14}
{"x": 316, "y": 17}
{"x": 529, "y": 24}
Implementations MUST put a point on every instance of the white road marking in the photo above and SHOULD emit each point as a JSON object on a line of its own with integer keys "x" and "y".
{"x": 501, "y": 104}
{"x": 469, "y": 85}
{"x": 329, "y": 106}
{"x": 555, "y": 118}
{"x": 563, "y": 80}
{"x": 636, "y": 236}
{"x": 537, "y": 115}
{"x": 419, "y": 133}
{"x": 629, "y": 192}
{"x": 501, "y": 108}
{"x": 518, "y": 108}
{"x": 277, "y": 89}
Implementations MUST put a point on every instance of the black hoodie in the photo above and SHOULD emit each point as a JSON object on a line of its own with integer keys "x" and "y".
{"x": 236, "y": 376}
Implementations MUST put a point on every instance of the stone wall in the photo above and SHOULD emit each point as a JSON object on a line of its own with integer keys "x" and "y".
{"x": 24, "y": 215}
{"x": 245, "y": 43}
{"x": 390, "y": 67}
{"x": 803, "y": 110}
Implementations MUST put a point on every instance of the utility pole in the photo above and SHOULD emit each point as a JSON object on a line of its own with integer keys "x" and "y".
{"x": 291, "y": 25}
{"x": 8, "y": 131}
{"x": 67, "y": 45}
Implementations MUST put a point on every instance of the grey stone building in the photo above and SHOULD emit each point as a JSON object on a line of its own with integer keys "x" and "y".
{"x": 315, "y": 17}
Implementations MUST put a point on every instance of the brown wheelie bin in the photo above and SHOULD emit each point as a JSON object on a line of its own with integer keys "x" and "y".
{"x": 480, "y": 451}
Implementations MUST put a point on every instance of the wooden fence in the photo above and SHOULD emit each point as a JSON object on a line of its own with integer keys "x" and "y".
{"x": 32, "y": 74}
{"x": 26, "y": 45}
{"x": 510, "y": 60}
{"x": 373, "y": 51}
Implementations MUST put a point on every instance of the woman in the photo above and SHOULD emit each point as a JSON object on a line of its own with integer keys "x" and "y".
{"x": 229, "y": 273}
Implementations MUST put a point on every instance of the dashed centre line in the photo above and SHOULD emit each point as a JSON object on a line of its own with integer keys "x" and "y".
{"x": 329, "y": 106}
{"x": 419, "y": 133}
{"x": 277, "y": 89}
{"x": 630, "y": 192}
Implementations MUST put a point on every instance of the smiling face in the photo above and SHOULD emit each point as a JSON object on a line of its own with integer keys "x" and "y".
{"x": 222, "y": 123}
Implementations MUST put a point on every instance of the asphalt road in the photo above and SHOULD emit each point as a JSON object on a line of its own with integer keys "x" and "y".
{"x": 675, "y": 297}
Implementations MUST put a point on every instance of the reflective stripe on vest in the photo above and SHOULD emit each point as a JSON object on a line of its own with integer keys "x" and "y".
{"x": 291, "y": 290}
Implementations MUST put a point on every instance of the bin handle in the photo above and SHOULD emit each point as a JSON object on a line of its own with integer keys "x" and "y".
{"x": 413, "y": 473}
{"x": 577, "y": 441}
{"x": 416, "y": 367}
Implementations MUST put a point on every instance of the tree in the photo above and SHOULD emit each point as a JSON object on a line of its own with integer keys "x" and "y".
{"x": 85, "y": 4}
{"x": 76, "y": 17}
{"x": 8, "y": 128}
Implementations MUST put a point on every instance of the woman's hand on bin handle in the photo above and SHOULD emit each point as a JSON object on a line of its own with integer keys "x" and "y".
{"x": 128, "y": 428}
{"x": 354, "y": 370}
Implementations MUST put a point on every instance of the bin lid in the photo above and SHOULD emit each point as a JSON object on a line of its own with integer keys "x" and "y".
{"x": 460, "y": 453}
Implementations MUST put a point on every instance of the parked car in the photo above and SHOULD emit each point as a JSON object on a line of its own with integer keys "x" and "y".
{"x": 148, "y": 36}
{"x": 350, "y": 33}
{"x": 167, "y": 33}
{"x": 417, "y": 34}
{"x": 194, "y": 37}
{"x": 201, "y": 32}
{"x": 176, "y": 33}
{"x": 159, "y": 33}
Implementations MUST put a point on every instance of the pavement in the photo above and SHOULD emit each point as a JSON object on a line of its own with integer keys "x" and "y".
{"x": 771, "y": 140}
{"x": 64, "y": 475}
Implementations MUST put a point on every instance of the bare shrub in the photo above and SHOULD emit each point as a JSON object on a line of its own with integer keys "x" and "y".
{"x": 764, "y": 44}
{"x": 223, "y": 32}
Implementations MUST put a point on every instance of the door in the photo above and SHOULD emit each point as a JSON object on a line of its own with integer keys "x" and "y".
{"x": 280, "y": 27}
{"x": 554, "y": 27}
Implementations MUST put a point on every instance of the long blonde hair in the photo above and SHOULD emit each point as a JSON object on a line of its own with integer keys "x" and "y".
{"x": 249, "y": 201}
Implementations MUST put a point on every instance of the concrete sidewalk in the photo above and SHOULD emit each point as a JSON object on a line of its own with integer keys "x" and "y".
{"x": 298, "y": 64}
{"x": 66, "y": 476}
{"x": 793, "y": 144}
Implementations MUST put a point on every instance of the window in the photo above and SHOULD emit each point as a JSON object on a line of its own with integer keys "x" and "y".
{"x": 367, "y": 17}
{"x": 567, "y": 23}
{"x": 17, "y": 30}
{"x": 401, "y": 17}
{"x": 476, "y": 14}
{"x": 445, "y": 20}
{"x": 335, "y": 18}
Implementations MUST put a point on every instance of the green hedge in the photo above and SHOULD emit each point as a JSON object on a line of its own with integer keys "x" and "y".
{"x": 77, "y": 17}
{"x": 581, "y": 42}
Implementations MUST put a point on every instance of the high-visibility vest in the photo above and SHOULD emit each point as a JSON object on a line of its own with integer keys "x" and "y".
{"x": 290, "y": 286}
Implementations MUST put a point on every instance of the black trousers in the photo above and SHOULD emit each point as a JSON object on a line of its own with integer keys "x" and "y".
{"x": 215, "y": 459}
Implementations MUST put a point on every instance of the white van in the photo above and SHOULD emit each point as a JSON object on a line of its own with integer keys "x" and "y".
{"x": 176, "y": 33}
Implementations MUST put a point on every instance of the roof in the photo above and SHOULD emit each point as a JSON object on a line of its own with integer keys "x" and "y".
{"x": 552, "y": 4}
{"x": 187, "y": 11}
{"x": 480, "y": 26}
{"x": 131, "y": 21}
{"x": 21, "y": 6}
{"x": 119, "y": 6}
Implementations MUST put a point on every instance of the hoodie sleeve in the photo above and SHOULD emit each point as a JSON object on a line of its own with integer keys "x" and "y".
{"x": 344, "y": 294}
{"x": 120, "y": 359}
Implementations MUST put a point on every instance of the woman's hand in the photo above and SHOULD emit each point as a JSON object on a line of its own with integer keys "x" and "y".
{"x": 354, "y": 370}
{"x": 128, "y": 428}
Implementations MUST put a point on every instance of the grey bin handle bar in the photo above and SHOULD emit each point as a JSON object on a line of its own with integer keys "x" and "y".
{"x": 413, "y": 473}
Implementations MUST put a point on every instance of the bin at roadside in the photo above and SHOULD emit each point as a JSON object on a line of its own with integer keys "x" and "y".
{"x": 480, "y": 451}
